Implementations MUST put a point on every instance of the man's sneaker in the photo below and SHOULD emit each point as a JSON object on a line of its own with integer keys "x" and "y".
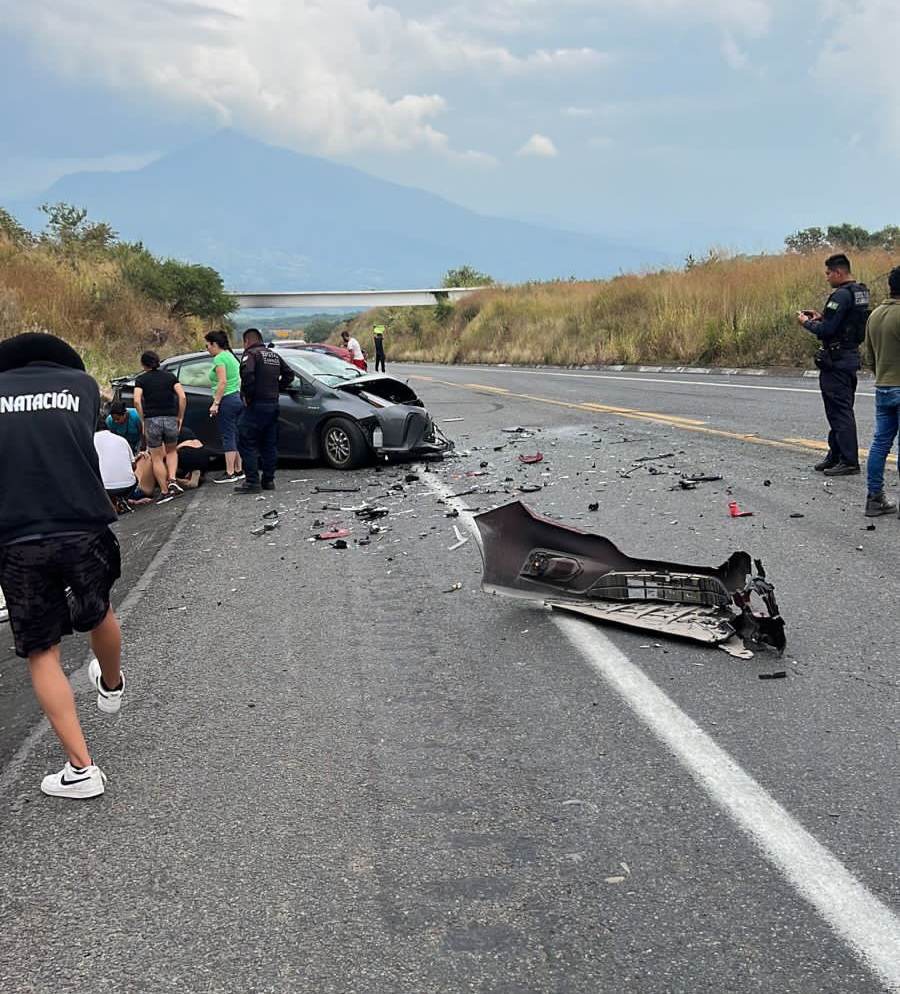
{"x": 165, "y": 498}
{"x": 175, "y": 487}
{"x": 268, "y": 484}
{"x": 826, "y": 463}
{"x": 109, "y": 701}
{"x": 878, "y": 504}
{"x": 228, "y": 478}
{"x": 843, "y": 469}
{"x": 248, "y": 488}
{"x": 73, "y": 782}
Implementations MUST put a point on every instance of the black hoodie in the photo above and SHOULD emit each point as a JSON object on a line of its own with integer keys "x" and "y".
{"x": 49, "y": 474}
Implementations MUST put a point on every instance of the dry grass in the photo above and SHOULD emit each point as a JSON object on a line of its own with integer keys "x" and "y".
{"x": 90, "y": 305}
{"x": 725, "y": 311}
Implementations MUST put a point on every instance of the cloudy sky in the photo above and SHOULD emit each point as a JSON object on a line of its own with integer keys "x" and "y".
{"x": 675, "y": 124}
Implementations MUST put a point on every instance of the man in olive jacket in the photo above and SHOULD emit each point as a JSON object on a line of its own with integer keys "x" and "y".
{"x": 882, "y": 353}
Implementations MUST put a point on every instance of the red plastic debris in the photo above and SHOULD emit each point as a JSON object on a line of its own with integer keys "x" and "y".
{"x": 736, "y": 512}
{"x": 331, "y": 536}
{"x": 530, "y": 460}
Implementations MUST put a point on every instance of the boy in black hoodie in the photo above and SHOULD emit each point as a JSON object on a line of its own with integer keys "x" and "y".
{"x": 58, "y": 558}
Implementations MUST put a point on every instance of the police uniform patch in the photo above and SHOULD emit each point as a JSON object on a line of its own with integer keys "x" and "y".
{"x": 832, "y": 305}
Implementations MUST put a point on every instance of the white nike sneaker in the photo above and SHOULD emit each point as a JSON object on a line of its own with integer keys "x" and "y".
{"x": 109, "y": 701}
{"x": 72, "y": 782}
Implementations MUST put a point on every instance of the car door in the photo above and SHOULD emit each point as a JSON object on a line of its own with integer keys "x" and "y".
{"x": 300, "y": 411}
{"x": 193, "y": 374}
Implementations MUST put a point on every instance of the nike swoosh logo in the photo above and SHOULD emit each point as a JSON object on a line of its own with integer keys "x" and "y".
{"x": 68, "y": 783}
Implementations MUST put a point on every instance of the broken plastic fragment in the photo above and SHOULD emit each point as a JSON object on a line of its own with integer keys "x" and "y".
{"x": 531, "y": 460}
{"x": 271, "y": 514}
{"x": 777, "y": 675}
{"x": 460, "y": 540}
{"x": 332, "y": 535}
{"x": 339, "y": 544}
{"x": 735, "y": 511}
{"x": 456, "y": 586}
{"x": 595, "y": 506}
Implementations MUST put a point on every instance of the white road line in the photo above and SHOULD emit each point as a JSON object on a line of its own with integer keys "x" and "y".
{"x": 698, "y": 382}
{"x": 10, "y": 773}
{"x": 868, "y": 926}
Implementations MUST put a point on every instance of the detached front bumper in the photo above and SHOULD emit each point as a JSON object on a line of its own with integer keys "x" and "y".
{"x": 408, "y": 432}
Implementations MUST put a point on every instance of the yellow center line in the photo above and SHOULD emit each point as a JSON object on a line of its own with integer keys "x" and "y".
{"x": 672, "y": 420}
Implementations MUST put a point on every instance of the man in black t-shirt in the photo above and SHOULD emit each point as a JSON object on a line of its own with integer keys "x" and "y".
{"x": 58, "y": 558}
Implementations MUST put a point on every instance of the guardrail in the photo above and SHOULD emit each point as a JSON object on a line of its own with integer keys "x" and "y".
{"x": 355, "y": 298}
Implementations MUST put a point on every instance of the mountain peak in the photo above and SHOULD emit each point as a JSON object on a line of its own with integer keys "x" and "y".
{"x": 268, "y": 217}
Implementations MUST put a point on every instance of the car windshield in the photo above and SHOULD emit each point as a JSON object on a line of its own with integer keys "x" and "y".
{"x": 327, "y": 368}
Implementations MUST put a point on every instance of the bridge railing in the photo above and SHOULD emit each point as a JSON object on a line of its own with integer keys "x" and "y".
{"x": 348, "y": 299}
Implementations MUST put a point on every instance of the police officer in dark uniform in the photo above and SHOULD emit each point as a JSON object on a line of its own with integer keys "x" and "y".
{"x": 841, "y": 330}
{"x": 263, "y": 375}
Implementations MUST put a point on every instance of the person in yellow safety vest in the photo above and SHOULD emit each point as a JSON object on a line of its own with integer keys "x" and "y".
{"x": 378, "y": 335}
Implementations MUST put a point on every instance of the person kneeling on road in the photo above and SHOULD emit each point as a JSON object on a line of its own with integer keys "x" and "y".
{"x": 58, "y": 558}
{"x": 116, "y": 466}
{"x": 263, "y": 375}
{"x": 882, "y": 351}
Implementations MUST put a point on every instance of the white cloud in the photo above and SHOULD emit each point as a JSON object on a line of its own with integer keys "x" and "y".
{"x": 861, "y": 57}
{"x": 329, "y": 75}
{"x": 540, "y": 147}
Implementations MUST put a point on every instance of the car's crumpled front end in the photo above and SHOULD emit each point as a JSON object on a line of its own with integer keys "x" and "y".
{"x": 401, "y": 426}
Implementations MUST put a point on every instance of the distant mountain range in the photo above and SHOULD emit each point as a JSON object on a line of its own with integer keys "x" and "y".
{"x": 271, "y": 219}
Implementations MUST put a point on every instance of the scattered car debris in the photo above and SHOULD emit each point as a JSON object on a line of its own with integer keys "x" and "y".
{"x": 691, "y": 478}
{"x": 531, "y": 460}
{"x": 526, "y": 554}
{"x": 451, "y": 590}
{"x": 460, "y": 540}
{"x": 337, "y": 490}
{"x": 452, "y": 513}
{"x": 595, "y": 506}
{"x": 735, "y": 511}
{"x": 662, "y": 455}
{"x": 530, "y": 488}
{"x": 767, "y": 483}
{"x": 372, "y": 513}
{"x": 777, "y": 675}
{"x": 518, "y": 430}
{"x": 411, "y": 478}
{"x": 340, "y": 544}
{"x": 450, "y": 421}
{"x": 271, "y": 514}
{"x": 797, "y": 514}
{"x": 685, "y": 485}
{"x": 332, "y": 535}
{"x": 735, "y": 647}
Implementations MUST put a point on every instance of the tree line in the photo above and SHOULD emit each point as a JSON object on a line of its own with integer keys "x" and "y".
{"x": 186, "y": 289}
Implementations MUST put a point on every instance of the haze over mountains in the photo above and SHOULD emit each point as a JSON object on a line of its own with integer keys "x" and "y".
{"x": 271, "y": 219}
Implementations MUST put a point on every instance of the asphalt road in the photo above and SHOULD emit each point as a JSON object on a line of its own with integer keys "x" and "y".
{"x": 335, "y": 772}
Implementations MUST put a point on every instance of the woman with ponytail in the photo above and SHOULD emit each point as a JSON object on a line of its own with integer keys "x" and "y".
{"x": 225, "y": 379}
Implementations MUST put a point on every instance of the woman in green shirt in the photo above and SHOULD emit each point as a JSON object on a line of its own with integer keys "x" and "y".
{"x": 225, "y": 379}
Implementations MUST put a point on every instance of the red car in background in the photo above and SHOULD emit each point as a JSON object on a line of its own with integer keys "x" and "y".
{"x": 335, "y": 350}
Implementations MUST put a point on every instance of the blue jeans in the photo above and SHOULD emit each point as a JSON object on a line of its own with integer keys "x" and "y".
{"x": 258, "y": 441}
{"x": 887, "y": 423}
{"x": 230, "y": 408}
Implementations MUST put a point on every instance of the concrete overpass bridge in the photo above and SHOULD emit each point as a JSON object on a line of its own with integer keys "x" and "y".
{"x": 349, "y": 299}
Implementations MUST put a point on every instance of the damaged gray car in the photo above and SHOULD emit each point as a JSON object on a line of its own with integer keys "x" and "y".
{"x": 332, "y": 411}
{"x": 527, "y": 555}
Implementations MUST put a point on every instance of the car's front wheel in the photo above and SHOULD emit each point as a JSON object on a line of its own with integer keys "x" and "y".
{"x": 343, "y": 444}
